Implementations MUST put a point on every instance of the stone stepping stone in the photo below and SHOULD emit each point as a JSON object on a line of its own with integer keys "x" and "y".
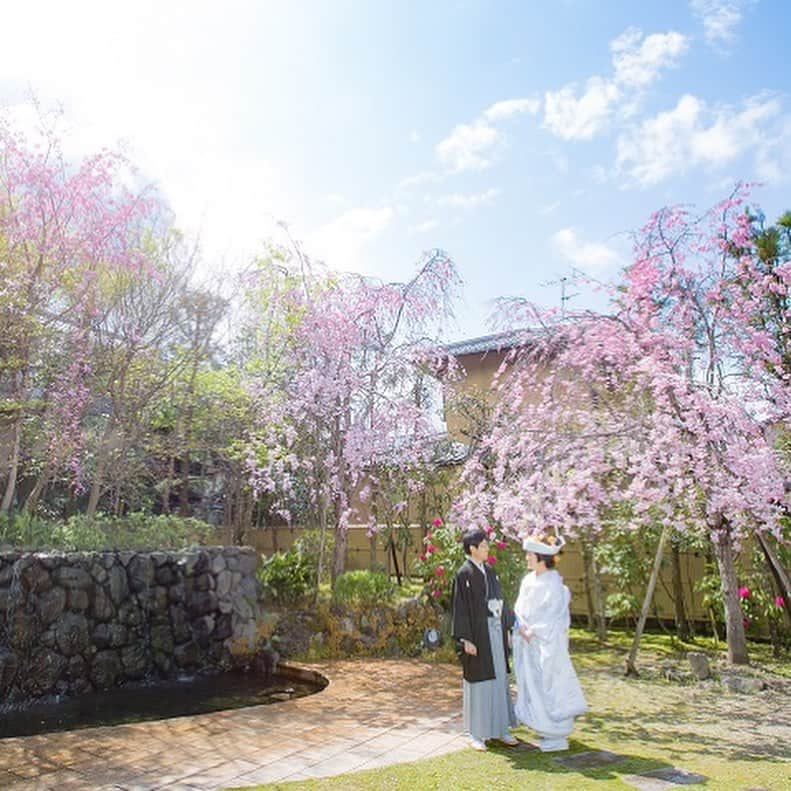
{"x": 659, "y": 779}
{"x": 589, "y": 759}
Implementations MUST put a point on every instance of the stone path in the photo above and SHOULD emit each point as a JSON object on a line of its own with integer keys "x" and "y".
{"x": 372, "y": 714}
{"x": 653, "y": 780}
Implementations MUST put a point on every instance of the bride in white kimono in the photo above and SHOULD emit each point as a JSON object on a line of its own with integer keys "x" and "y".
{"x": 549, "y": 695}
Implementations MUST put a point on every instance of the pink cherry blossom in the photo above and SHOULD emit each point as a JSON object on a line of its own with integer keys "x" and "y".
{"x": 354, "y": 352}
{"x": 655, "y": 409}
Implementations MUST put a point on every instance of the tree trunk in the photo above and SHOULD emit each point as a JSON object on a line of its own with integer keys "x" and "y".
{"x": 323, "y": 507}
{"x": 682, "y": 623}
{"x": 780, "y": 575}
{"x": 714, "y": 631}
{"x": 184, "y": 488}
{"x": 248, "y": 503}
{"x": 630, "y": 668}
{"x": 168, "y": 483}
{"x": 734, "y": 624}
{"x": 98, "y": 473}
{"x": 116, "y": 509}
{"x": 341, "y": 497}
{"x": 392, "y": 546}
{"x": 243, "y": 513}
{"x": 587, "y": 581}
{"x": 31, "y": 502}
{"x": 598, "y": 601}
{"x": 374, "y": 533}
{"x": 339, "y": 553}
{"x": 13, "y": 467}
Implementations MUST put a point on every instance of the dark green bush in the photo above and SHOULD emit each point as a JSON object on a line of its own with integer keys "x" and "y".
{"x": 287, "y": 578}
{"x": 81, "y": 533}
{"x": 362, "y": 588}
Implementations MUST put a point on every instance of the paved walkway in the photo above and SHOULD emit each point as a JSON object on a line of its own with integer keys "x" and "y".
{"x": 373, "y": 713}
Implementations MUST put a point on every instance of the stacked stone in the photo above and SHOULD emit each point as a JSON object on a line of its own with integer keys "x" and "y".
{"x": 76, "y": 622}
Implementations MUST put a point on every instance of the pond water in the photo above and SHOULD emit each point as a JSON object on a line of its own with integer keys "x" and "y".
{"x": 137, "y": 703}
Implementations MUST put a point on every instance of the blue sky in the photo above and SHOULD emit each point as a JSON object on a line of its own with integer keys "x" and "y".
{"x": 527, "y": 139}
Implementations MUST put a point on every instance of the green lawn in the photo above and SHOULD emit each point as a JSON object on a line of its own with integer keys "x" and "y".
{"x": 737, "y": 741}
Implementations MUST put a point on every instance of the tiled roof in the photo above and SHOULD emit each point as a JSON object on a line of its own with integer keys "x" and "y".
{"x": 486, "y": 343}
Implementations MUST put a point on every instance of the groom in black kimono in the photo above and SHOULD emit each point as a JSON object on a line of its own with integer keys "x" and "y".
{"x": 480, "y": 629}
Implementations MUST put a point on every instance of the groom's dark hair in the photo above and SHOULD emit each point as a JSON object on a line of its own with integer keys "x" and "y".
{"x": 473, "y": 539}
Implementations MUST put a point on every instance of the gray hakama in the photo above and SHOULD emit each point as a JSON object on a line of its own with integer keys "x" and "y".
{"x": 488, "y": 709}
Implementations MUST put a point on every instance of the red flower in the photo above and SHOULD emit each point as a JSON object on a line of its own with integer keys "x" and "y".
{"x": 779, "y": 601}
{"x": 422, "y": 555}
{"x": 746, "y": 622}
{"x": 489, "y": 530}
{"x": 439, "y": 571}
{"x": 491, "y": 560}
{"x": 430, "y": 548}
{"x": 499, "y": 544}
{"x": 437, "y": 522}
{"x": 744, "y": 592}
{"x": 436, "y": 593}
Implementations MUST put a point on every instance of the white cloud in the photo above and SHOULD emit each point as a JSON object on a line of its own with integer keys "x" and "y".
{"x": 593, "y": 257}
{"x": 637, "y": 61}
{"x": 340, "y": 242}
{"x": 720, "y": 19}
{"x": 573, "y": 118}
{"x": 474, "y": 146}
{"x": 468, "y": 147}
{"x": 691, "y": 135}
{"x": 424, "y": 227}
{"x": 470, "y": 200}
{"x": 500, "y": 111}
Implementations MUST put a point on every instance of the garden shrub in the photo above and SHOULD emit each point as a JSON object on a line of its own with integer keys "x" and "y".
{"x": 362, "y": 588}
{"x": 24, "y": 530}
{"x": 287, "y": 578}
{"x": 443, "y": 554}
{"x": 310, "y": 545}
{"x": 81, "y": 533}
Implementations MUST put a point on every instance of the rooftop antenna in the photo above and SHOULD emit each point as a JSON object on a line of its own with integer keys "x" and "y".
{"x": 564, "y": 281}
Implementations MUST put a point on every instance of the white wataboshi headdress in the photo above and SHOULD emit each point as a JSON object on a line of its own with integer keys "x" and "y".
{"x": 543, "y": 545}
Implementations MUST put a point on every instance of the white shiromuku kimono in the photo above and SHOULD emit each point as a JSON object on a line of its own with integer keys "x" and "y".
{"x": 549, "y": 695}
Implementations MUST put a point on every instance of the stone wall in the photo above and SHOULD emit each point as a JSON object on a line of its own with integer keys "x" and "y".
{"x": 76, "y": 622}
